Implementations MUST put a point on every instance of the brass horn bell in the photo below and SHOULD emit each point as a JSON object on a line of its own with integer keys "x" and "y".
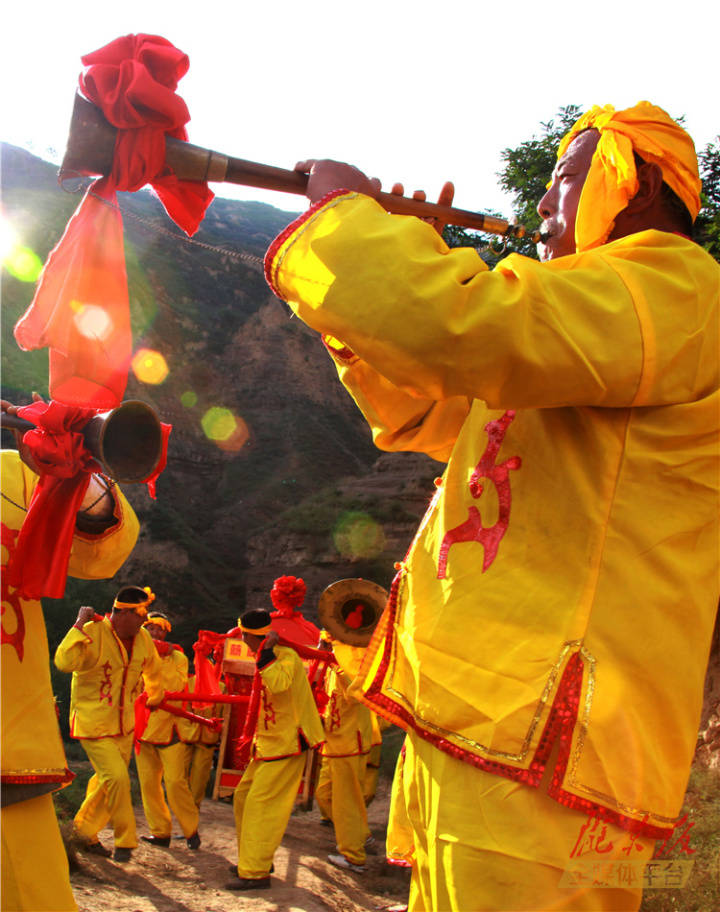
{"x": 350, "y": 609}
{"x": 126, "y": 441}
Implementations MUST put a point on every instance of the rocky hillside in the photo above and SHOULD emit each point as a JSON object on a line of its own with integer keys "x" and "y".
{"x": 306, "y": 493}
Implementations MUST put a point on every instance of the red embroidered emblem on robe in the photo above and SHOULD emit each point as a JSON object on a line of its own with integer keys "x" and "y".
{"x": 11, "y": 598}
{"x": 472, "y": 530}
{"x": 268, "y": 710}
{"x": 106, "y": 684}
{"x": 334, "y": 714}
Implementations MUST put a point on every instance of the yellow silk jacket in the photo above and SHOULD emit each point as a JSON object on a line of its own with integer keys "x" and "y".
{"x": 348, "y": 724}
{"x": 106, "y": 680}
{"x": 287, "y": 708}
{"x": 163, "y": 727}
{"x": 565, "y": 576}
{"x": 32, "y": 750}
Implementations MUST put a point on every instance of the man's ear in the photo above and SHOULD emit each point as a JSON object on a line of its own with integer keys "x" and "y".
{"x": 650, "y": 181}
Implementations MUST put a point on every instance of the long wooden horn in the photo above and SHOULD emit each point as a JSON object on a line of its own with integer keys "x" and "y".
{"x": 91, "y": 143}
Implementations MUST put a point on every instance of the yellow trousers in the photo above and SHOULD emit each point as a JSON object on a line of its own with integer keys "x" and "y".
{"x": 200, "y": 768}
{"x": 171, "y": 763}
{"x": 262, "y": 804}
{"x": 35, "y": 876}
{"x": 340, "y": 797}
{"x": 400, "y": 842}
{"x": 486, "y": 844}
{"x": 107, "y": 798}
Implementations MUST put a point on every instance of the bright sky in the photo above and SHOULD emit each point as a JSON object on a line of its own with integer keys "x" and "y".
{"x": 412, "y": 90}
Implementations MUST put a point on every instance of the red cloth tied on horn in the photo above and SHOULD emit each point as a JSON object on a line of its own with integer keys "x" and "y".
{"x": 38, "y": 566}
{"x": 80, "y": 310}
{"x": 133, "y": 81}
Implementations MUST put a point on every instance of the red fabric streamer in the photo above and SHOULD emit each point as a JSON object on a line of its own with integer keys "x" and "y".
{"x": 152, "y": 478}
{"x": 38, "y": 566}
{"x": 207, "y": 674}
{"x": 80, "y": 309}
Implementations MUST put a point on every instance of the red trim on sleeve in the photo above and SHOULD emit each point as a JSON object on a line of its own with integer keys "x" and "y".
{"x": 291, "y": 228}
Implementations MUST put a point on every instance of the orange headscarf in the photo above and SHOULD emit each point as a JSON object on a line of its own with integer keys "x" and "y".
{"x": 612, "y": 179}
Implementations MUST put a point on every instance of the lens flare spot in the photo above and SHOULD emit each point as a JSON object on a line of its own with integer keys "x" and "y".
{"x": 358, "y": 535}
{"x": 189, "y": 399}
{"x": 149, "y": 366}
{"x": 23, "y": 263}
{"x": 229, "y": 432}
{"x": 91, "y": 321}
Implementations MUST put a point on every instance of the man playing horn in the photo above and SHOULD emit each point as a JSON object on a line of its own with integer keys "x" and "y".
{"x": 110, "y": 659}
{"x": 33, "y": 759}
{"x": 287, "y": 725}
{"x": 165, "y": 749}
{"x": 348, "y": 736}
{"x": 556, "y": 607}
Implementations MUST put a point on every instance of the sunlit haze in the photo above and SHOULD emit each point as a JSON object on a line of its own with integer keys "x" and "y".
{"x": 412, "y": 91}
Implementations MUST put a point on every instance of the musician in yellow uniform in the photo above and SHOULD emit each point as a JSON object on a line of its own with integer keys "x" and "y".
{"x": 348, "y": 734}
{"x": 556, "y": 606}
{"x": 110, "y": 660}
{"x": 33, "y": 759}
{"x": 165, "y": 749}
{"x": 288, "y": 725}
{"x": 203, "y": 741}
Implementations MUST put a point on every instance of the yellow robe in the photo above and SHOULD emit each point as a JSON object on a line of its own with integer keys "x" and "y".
{"x": 32, "y": 752}
{"x": 340, "y": 794}
{"x": 163, "y": 727}
{"x": 106, "y": 681}
{"x": 575, "y": 528}
{"x": 264, "y": 797}
{"x": 287, "y": 708}
{"x": 164, "y": 755}
{"x": 32, "y": 748}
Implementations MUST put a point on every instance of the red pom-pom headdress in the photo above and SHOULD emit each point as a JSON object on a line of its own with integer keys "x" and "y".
{"x": 288, "y": 593}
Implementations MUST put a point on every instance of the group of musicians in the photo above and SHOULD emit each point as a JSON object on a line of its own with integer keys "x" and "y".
{"x": 115, "y": 658}
{"x": 583, "y": 392}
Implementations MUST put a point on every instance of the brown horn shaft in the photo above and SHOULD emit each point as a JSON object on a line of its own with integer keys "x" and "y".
{"x": 91, "y": 145}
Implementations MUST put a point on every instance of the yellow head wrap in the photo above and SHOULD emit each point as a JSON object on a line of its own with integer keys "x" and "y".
{"x": 160, "y": 621}
{"x": 138, "y": 607}
{"x": 256, "y": 631}
{"x": 612, "y": 179}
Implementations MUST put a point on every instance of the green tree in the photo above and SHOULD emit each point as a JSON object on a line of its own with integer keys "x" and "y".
{"x": 707, "y": 226}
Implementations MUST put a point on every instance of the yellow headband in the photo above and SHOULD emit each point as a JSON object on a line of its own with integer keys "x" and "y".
{"x": 139, "y": 608}
{"x": 161, "y": 622}
{"x": 612, "y": 179}
{"x": 258, "y": 631}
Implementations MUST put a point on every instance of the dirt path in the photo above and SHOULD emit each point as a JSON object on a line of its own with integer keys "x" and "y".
{"x": 178, "y": 880}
